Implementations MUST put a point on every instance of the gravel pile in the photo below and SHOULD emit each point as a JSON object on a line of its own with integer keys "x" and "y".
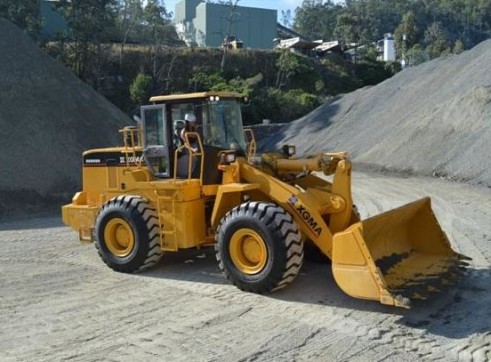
{"x": 433, "y": 119}
{"x": 48, "y": 117}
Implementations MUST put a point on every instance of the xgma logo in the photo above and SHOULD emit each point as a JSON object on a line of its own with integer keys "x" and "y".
{"x": 307, "y": 218}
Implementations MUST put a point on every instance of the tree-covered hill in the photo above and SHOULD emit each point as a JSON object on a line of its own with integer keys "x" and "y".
{"x": 128, "y": 49}
{"x": 431, "y": 27}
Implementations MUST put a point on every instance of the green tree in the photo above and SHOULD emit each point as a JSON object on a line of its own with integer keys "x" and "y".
{"x": 347, "y": 29}
{"x": 23, "y": 13}
{"x": 161, "y": 33}
{"x": 244, "y": 86}
{"x": 130, "y": 13}
{"x": 375, "y": 17}
{"x": 141, "y": 88}
{"x": 88, "y": 22}
{"x": 281, "y": 106}
{"x": 203, "y": 81}
{"x": 406, "y": 34}
{"x": 436, "y": 40}
{"x": 288, "y": 65}
{"x": 366, "y": 21}
{"x": 417, "y": 55}
{"x": 458, "y": 47}
{"x": 317, "y": 19}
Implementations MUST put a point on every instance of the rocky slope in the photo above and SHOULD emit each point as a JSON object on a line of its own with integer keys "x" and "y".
{"x": 47, "y": 118}
{"x": 433, "y": 119}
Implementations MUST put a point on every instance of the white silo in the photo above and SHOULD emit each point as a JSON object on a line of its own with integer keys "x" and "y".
{"x": 389, "y": 48}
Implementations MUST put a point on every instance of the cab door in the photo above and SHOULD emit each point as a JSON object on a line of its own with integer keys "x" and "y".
{"x": 156, "y": 140}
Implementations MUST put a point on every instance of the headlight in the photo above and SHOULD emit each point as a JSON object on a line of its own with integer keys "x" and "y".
{"x": 289, "y": 150}
{"x": 226, "y": 158}
{"x": 230, "y": 157}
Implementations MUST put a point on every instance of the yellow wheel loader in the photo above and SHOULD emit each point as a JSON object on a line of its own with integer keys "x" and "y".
{"x": 188, "y": 177}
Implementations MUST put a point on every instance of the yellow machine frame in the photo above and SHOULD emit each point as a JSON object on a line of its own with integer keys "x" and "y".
{"x": 367, "y": 261}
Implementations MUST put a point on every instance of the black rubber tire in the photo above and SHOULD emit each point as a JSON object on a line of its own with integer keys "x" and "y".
{"x": 283, "y": 241}
{"x": 144, "y": 224}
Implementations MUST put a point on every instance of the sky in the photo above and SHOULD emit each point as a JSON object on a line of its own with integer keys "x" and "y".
{"x": 265, "y": 4}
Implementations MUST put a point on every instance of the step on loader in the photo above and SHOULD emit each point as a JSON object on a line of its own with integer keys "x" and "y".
{"x": 188, "y": 176}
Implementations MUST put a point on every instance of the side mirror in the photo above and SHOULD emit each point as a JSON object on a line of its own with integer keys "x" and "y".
{"x": 137, "y": 116}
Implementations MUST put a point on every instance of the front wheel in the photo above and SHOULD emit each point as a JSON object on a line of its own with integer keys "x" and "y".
{"x": 127, "y": 234}
{"x": 259, "y": 247}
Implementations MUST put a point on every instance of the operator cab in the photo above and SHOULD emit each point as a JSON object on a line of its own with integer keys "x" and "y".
{"x": 217, "y": 119}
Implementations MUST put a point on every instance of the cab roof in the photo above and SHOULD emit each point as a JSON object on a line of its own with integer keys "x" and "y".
{"x": 199, "y": 95}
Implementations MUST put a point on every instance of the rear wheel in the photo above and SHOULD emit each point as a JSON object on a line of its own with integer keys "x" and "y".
{"x": 259, "y": 247}
{"x": 127, "y": 234}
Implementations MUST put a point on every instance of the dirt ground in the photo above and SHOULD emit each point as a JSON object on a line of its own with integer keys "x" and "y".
{"x": 58, "y": 301}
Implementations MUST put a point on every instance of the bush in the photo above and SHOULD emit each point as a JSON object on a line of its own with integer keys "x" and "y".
{"x": 250, "y": 72}
{"x": 417, "y": 55}
{"x": 373, "y": 72}
{"x": 202, "y": 81}
{"x": 280, "y": 106}
{"x": 309, "y": 101}
{"x": 141, "y": 88}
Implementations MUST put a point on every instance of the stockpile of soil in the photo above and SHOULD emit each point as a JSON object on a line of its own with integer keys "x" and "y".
{"x": 433, "y": 119}
{"x": 48, "y": 117}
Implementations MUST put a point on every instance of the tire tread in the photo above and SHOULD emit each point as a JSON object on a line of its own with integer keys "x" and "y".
{"x": 138, "y": 207}
{"x": 280, "y": 224}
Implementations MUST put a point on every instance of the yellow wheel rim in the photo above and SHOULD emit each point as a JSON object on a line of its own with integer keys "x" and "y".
{"x": 248, "y": 251}
{"x": 118, "y": 237}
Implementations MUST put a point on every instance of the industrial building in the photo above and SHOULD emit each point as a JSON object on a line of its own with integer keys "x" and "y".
{"x": 208, "y": 24}
{"x": 53, "y": 23}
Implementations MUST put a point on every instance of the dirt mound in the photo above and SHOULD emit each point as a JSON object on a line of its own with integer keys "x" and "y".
{"x": 47, "y": 118}
{"x": 434, "y": 119}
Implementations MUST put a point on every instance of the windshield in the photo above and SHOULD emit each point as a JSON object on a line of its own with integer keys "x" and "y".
{"x": 222, "y": 126}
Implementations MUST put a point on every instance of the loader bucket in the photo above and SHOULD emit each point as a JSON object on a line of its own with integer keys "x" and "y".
{"x": 396, "y": 256}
